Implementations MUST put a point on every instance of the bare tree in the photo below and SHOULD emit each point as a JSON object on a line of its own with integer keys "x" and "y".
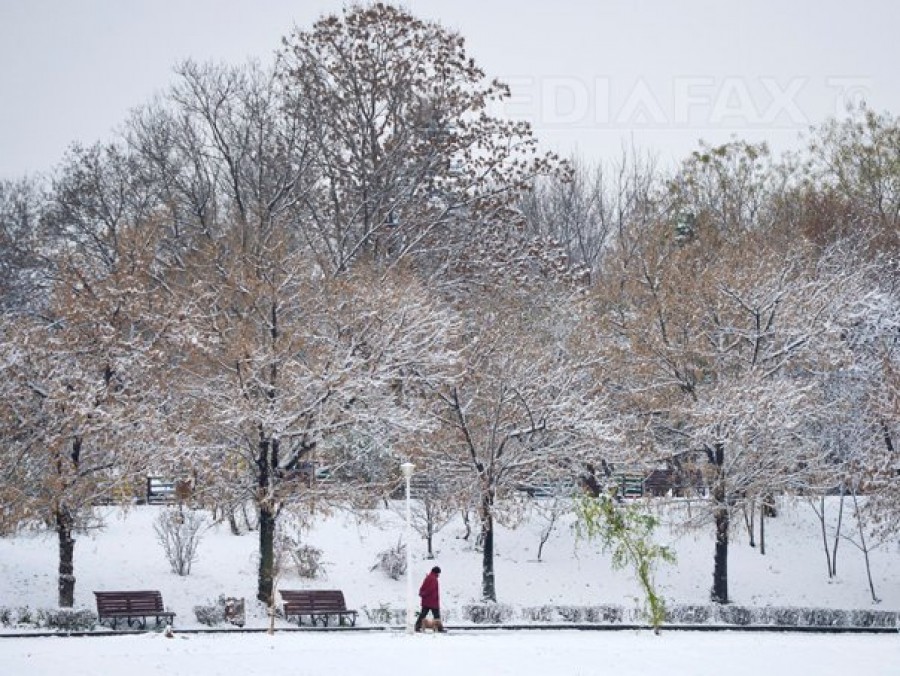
{"x": 24, "y": 267}
{"x": 98, "y": 194}
{"x": 582, "y": 211}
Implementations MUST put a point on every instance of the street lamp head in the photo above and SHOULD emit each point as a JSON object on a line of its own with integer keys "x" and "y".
{"x": 407, "y": 469}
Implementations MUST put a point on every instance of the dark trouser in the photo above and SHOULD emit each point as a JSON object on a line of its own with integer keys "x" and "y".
{"x": 435, "y": 613}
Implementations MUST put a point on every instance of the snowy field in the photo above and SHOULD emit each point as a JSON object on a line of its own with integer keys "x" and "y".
{"x": 126, "y": 555}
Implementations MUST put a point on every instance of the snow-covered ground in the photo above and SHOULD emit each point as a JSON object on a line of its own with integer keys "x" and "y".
{"x": 126, "y": 555}
{"x": 564, "y": 653}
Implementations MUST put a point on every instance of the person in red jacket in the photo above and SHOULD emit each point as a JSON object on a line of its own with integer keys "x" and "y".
{"x": 431, "y": 600}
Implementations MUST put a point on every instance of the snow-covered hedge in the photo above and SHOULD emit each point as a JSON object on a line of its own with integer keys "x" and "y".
{"x": 385, "y": 614}
{"x": 783, "y": 616}
{"x": 603, "y": 614}
{"x": 488, "y": 613}
{"x": 712, "y": 614}
{"x": 63, "y": 619}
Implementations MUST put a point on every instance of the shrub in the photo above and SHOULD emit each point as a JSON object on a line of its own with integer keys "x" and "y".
{"x": 384, "y": 614}
{"x": 823, "y": 617}
{"x": 873, "y": 618}
{"x": 392, "y": 562}
{"x": 211, "y": 615}
{"x": 572, "y": 614}
{"x": 25, "y": 616}
{"x": 539, "y": 614}
{"x": 738, "y": 615}
{"x": 689, "y": 614}
{"x": 18, "y": 617}
{"x": 178, "y": 531}
{"x": 224, "y": 609}
{"x": 487, "y": 613}
{"x": 782, "y": 617}
{"x": 67, "y": 619}
{"x": 308, "y": 561}
{"x": 606, "y": 614}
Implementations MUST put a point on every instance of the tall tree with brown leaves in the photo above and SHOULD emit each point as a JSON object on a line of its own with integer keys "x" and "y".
{"x": 411, "y": 163}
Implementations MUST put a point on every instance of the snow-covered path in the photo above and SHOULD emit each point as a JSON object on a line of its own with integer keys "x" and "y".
{"x": 544, "y": 653}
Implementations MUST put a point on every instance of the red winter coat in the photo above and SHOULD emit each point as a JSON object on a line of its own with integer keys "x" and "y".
{"x": 431, "y": 597}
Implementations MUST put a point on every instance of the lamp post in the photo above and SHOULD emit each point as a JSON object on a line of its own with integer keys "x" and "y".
{"x": 407, "y": 469}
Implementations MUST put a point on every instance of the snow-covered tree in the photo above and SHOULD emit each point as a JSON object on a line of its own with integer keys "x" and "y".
{"x": 76, "y": 410}
{"x": 866, "y": 388}
{"x": 273, "y": 361}
{"x": 720, "y": 345}
{"x": 411, "y": 162}
{"x": 521, "y": 412}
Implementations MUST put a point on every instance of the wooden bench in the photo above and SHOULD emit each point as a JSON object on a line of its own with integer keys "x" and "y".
{"x": 317, "y": 604}
{"x": 132, "y": 606}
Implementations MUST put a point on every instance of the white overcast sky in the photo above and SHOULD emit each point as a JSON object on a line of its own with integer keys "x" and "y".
{"x": 589, "y": 74}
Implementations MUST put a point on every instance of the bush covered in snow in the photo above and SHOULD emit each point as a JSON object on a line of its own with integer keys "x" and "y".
{"x": 224, "y": 609}
{"x": 308, "y": 562}
{"x": 488, "y": 613}
{"x": 178, "y": 531}
{"x": 742, "y": 616}
{"x": 385, "y": 614}
{"x": 62, "y": 619}
{"x": 392, "y": 561}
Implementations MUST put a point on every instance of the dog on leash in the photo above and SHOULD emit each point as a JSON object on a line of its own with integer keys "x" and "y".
{"x": 434, "y": 625}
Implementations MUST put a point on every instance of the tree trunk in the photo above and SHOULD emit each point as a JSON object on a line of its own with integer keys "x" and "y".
{"x": 749, "y": 514}
{"x": 821, "y": 516}
{"x": 429, "y": 527}
{"x": 266, "y": 463}
{"x": 719, "y": 592}
{"x": 763, "y": 512}
{"x": 720, "y": 560}
{"x": 488, "y": 590}
{"x": 66, "y": 580}
{"x": 864, "y": 547}
{"x": 545, "y": 535}
{"x": 248, "y": 524}
{"x": 232, "y": 522}
{"x": 467, "y": 523}
{"x": 266, "y": 554}
{"x": 837, "y": 532}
